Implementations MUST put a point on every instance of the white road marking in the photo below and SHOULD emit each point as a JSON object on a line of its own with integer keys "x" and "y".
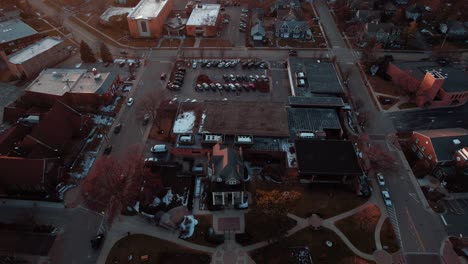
{"x": 443, "y": 220}
{"x": 413, "y": 195}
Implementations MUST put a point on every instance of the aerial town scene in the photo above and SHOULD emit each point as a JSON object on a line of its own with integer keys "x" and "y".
{"x": 234, "y": 131}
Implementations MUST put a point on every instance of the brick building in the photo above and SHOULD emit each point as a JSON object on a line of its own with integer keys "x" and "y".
{"x": 442, "y": 150}
{"x": 15, "y": 35}
{"x": 31, "y": 60}
{"x": 148, "y": 17}
{"x": 203, "y": 21}
{"x": 433, "y": 84}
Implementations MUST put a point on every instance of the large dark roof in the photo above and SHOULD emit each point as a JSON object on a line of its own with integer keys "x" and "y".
{"x": 319, "y": 101}
{"x": 456, "y": 75}
{"x": 327, "y": 157}
{"x": 321, "y": 77}
{"x": 312, "y": 119}
{"x": 15, "y": 29}
{"x": 442, "y": 141}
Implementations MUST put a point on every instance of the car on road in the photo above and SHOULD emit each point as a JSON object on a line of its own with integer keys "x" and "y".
{"x": 194, "y": 65}
{"x": 96, "y": 242}
{"x": 163, "y": 76}
{"x": 146, "y": 119}
{"x": 158, "y": 148}
{"x": 107, "y": 150}
{"x": 130, "y": 101}
{"x": 380, "y": 179}
{"x": 386, "y": 197}
{"x": 117, "y": 128}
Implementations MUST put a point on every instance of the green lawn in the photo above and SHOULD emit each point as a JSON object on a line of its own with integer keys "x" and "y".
{"x": 158, "y": 250}
{"x": 204, "y": 222}
{"x": 327, "y": 201}
{"x": 388, "y": 238}
{"x": 258, "y": 227}
{"x": 278, "y": 253}
{"x": 359, "y": 228}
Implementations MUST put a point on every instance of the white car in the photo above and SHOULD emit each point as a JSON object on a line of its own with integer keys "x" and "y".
{"x": 130, "y": 101}
{"x": 380, "y": 179}
{"x": 152, "y": 159}
{"x": 386, "y": 197}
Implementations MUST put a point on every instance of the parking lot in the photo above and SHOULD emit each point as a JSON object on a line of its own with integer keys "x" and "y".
{"x": 240, "y": 82}
{"x": 231, "y": 30}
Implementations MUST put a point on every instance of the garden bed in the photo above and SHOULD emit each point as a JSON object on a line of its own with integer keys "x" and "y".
{"x": 157, "y": 250}
{"x": 359, "y": 228}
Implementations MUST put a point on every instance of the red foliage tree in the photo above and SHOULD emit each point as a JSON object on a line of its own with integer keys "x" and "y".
{"x": 113, "y": 183}
{"x": 150, "y": 103}
{"x": 367, "y": 218}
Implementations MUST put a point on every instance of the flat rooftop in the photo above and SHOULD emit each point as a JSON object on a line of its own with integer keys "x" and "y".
{"x": 456, "y": 76}
{"x": 232, "y": 118}
{"x": 15, "y": 29}
{"x": 316, "y": 101}
{"x": 206, "y": 15}
{"x": 33, "y": 50}
{"x": 60, "y": 81}
{"x": 326, "y": 157}
{"x": 114, "y": 11}
{"x": 147, "y": 9}
{"x": 321, "y": 77}
{"x": 312, "y": 119}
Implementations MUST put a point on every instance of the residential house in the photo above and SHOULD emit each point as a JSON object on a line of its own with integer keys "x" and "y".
{"x": 435, "y": 84}
{"x": 15, "y": 35}
{"x": 291, "y": 27}
{"x": 146, "y": 20}
{"x": 385, "y": 33}
{"x": 228, "y": 177}
{"x": 443, "y": 151}
{"x": 414, "y": 12}
{"x": 204, "y": 21}
{"x": 257, "y": 32}
{"x": 28, "y": 62}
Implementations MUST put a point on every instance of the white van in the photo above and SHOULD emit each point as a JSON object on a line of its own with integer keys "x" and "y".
{"x": 159, "y": 148}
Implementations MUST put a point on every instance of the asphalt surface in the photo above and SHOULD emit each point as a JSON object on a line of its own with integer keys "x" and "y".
{"x": 76, "y": 227}
{"x": 420, "y": 229}
{"x": 431, "y": 119}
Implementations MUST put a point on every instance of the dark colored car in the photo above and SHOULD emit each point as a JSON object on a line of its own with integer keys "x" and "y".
{"x": 117, "y": 128}
{"x": 292, "y": 53}
{"x": 107, "y": 150}
{"x": 96, "y": 242}
{"x": 146, "y": 119}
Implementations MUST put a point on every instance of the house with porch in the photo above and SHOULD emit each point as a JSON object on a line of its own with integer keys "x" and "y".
{"x": 228, "y": 177}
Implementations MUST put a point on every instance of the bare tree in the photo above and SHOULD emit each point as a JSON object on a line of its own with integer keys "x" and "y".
{"x": 150, "y": 104}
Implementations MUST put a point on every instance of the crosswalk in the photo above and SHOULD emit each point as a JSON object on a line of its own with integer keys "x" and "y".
{"x": 458, "y": 206}
{"x": 394, "y": 220}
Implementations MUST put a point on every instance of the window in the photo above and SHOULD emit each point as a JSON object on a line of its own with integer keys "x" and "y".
{"x": 417, "y": 140}
{"x": 419, "y": 154}
{"x": 232, "y": 182}
{"x": 143, "y": 26}
{"x": 423, "y": 148}
{"x": 429, "y": 157}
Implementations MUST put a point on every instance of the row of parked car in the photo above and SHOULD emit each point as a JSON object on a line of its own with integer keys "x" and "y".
{"x": 228, "y": 87}
{"x": 177, "y": 81}
{"x": 216, "y": 64}
{"x": 243, "y": 20}
{"x": 245, "y": 78}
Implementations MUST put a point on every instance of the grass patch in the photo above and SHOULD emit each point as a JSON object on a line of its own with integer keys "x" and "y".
{"x": 388, "y": 237}
{"x": 204, "y": 222}
{"x": 278, "y": 253}
{"x": 324, "y": 200}
{"x": 170, "y": 43}
{"x": 360, "y": 227}
{"x": 407, "y": 105}
{"x": 258, "y": 227}
{"x": 188, "y": 42}
{"x": 158, "y": 251}
{"x": 385, "y": 87}
{"x": 215, "y": 43}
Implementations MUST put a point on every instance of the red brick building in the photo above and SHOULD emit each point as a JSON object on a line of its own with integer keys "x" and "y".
{"x": 148, "y": 17}
{"x": 204, "y": 21}
{"x": 432, "y": 85}
{"x": 442, "y": 148}
{"x": 15, "y": 35}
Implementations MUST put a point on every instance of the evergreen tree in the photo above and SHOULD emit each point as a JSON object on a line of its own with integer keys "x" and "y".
{"x": 86, "y": 53}
{"x": 105, "y": 53}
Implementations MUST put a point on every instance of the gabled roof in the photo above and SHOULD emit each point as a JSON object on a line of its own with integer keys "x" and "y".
{"x": 257, "y": 30}
{"x": 227, "y": 163}
{"x": 442, "y": 141}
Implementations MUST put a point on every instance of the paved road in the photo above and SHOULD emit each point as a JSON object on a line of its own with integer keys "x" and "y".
{"x": 77, "y": 226}
{"x": 431, "y": 119}
{"x": 421, "y": 230}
